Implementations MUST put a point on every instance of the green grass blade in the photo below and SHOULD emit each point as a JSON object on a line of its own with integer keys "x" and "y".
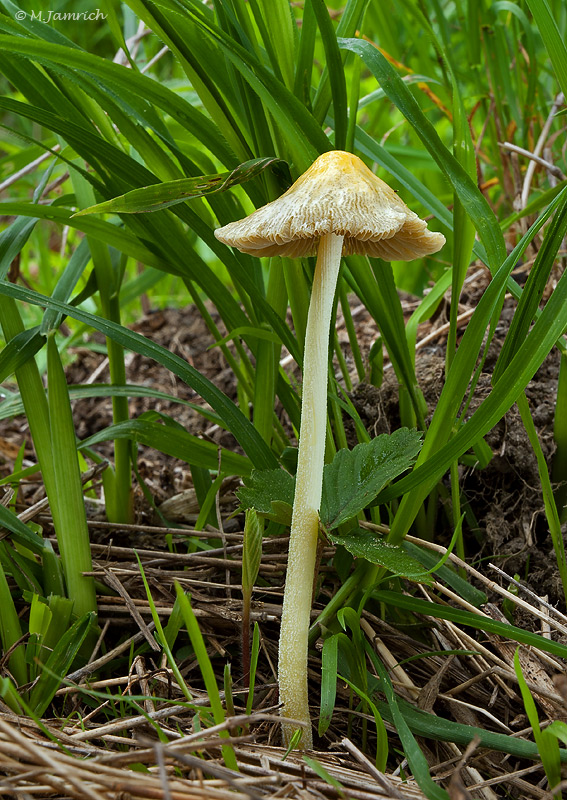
{"x": 204, "y": 67}
{"x": 305, "y": 138}
{"x": 73, "y": 535}
{"x": 476, "y": 621}
{"x": 59, "y": 663}
{"x": 66, "y": 283}
{"x": 169, "y": 193}
{"x": 11, "y": 630}
{"x": 306, "y": 49}
{"x": 35, "y": 403}
{"x": 349, "y": 22}
{"x": 458, "y": 380}
{"x": 551, "y": 511}
{"x": 166, "y": 637}
{"x": 281, "y": 29}
{"x": 559, "y": 464}
{"x": 553, "y": 39}
{"x": 513, "y": 381}
{"x": 19, "y": 351}
{"x": 547, "y": 744}
{"x": 12, "y": 240}
{"x": 20, "y": 532}
{"x": 463, "y": 230}
{"x": 533, "y": 291}
{"x": 382, "y": 746}
{"x": 13, "y": 406}
{"x": 113, "y": 77}
{"x": 104, "y": 231}
{"x": 414, "y": 755}
{"x": 207, "y": 672}
{"x": 377, "y": 291}
{"x": 335, "y": 69}
{"x": 175, "y": 443}
{"x": 439, "y": 729}
{"x": 329, "y": 676}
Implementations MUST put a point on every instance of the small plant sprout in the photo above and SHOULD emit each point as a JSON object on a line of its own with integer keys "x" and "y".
{"x": 337, "y": 207}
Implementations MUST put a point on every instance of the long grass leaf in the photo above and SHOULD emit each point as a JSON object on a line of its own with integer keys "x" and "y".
{"x": 532, "y": 354}
{"x": 59, "y": 663}
{"x": 533, "y": 292}
{"x": 553, "y": 39}
{"x": 547, "y": 744}
{"x": 414, "y": 755}
{"x": 437, "y": 728}
{"x": 73, "y": 534}
{"x": 169, "y": 193}
{"x": 13, "y": 406}
{"x": 281, "y": 30}
{"x": 334, "y": 65}
{"x": 479, "y": 622}
{"x": 175, "y": 443}
{"x": 111, "y": 234}
{"x": 305, "y": 138}
{"x": 11, "y": 630}
{"x": 207, "y": 671}
{"x": 19, "y": 351}
{"x": 349, "y": 23}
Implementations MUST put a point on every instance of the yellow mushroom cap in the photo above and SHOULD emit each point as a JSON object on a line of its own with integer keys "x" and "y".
{"x": 337, "y": 194}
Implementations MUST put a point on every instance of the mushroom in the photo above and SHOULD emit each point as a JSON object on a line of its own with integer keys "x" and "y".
{"x": 337, "y": 207}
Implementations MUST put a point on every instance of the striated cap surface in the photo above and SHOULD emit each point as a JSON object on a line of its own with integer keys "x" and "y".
{"x": 337, "y": 194}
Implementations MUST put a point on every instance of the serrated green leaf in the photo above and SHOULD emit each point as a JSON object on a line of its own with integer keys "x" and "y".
{"x": 169, "y": 193}
{"x": 365, "y": 544}
{"x": 356, "y": 476}
{"x": 270, "y": 493}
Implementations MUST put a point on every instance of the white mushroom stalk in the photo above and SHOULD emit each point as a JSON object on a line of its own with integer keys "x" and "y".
{"x": 294, "y": 631}
{"x": 337, "y": 207}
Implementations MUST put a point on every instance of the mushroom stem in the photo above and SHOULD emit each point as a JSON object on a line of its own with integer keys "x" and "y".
{"x": 294, "y": 631}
